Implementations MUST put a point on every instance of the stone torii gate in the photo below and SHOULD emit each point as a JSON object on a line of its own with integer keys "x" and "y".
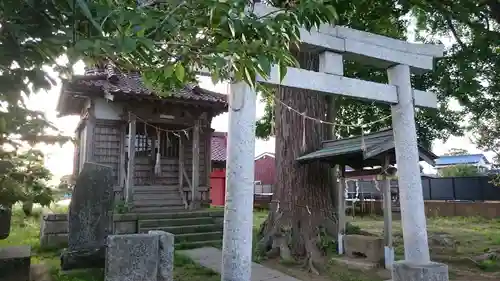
{"x": 334, "y": 44}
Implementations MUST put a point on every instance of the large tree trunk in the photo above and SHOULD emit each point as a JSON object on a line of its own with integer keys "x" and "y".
{"x": 303, "y": 200}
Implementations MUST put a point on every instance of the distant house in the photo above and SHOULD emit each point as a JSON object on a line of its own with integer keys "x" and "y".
{"x": 265, "y": 172}
{"x": 219, "y": 151}
{"x": 478, "y": 160}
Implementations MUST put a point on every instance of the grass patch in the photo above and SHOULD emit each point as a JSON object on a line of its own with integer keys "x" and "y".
{"x": 472, "y": 236}
{"x": 25, "y": 231}
{"x": 186, "y": 270}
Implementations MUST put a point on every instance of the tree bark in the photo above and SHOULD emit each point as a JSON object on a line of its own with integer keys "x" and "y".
{"x": 303, "y": 199}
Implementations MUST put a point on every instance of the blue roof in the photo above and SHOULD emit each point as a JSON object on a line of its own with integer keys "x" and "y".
{"x": 460, "y": 159}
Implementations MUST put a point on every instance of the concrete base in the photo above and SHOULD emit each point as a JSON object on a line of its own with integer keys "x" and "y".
{"x": 355, "y": 263}
{"x": 408, "y": 271}
{"x": 15, "y": 263}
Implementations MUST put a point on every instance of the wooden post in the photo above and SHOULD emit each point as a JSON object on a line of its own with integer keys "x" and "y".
{"x": 196, "y": 162}
{"x": 386, "y": 189}
{"x": 129, "y": 184}
{"x": 89, "y": 139}
{"x": 181, "y": 170}
{"x": 341, "y": 210}
{"x": 123, "y": 174}
{"x": 153, "y": 158}
{"x": 208, "y": 158}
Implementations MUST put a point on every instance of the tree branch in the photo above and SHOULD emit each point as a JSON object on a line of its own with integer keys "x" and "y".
{"x": 494, "y": 6}
{"x": 449, "y": 22}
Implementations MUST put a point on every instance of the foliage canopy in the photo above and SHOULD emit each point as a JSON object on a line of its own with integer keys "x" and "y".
{"x": 170, "y": 41}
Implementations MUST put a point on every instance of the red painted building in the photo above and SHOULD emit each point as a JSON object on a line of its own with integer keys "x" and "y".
{"x": 265, "y": 170}
{"x": 265, "y": 173}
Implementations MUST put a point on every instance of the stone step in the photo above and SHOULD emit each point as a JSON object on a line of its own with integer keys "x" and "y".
{"x": 196, "y": 237}
{"x": 184, "y": 229}
{"x": 157, "y": 196}
{"x": 155, "y": 209}
{"x": 179, "y": 215}
{"x": 187, "y": 221}
{"x": 198, "y": 244}
{"x": 158, "y": 203}
{"x": 156, "y": 188}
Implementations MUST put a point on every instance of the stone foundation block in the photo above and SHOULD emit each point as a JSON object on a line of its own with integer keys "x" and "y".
{"x": 15, "y": 263}
{"x": 132, "y": 257}
{"x": 125, "y": 227}
{"x": 166, "y": 249}
{"x": 408, "y": 271}
{"x": 369, "y": 247}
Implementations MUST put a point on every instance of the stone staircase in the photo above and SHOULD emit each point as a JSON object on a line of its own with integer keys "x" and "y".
{"x": 157, "y": 199}
{"x": 192, "y": 229}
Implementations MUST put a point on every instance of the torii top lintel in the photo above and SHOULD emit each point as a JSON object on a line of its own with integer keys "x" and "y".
{"x": 366, "y": 47}
{"x": 334, "y": 43}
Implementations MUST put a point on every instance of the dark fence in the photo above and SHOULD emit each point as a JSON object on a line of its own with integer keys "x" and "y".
{"x": 460, "y": 188}
{"x": 453, "y": 188}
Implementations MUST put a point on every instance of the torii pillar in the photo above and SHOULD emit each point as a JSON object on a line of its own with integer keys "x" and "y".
{"x": 417, "y": 265}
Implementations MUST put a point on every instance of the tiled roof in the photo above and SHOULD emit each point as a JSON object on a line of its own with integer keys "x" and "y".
{"x": 349, "y": 152}
{"x": 219, "y": 146}
{"x": 112, "y": 81}
{"x": 460, "y": 159}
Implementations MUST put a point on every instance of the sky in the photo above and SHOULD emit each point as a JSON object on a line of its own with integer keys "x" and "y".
{"x": 59, "y": 159}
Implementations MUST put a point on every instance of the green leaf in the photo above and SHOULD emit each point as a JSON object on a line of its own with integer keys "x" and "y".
{"x": 265, "y": 64}
{"x": 333, "y": 11}
{"x": 86, "y": 11}
{"x": 282, "y": 70}
{"x": 84, "y": 45}
{"x": 249, "y": 77}
{"x": 148, "y": 43}
{"x": 230, "y": 23}
{"x": 180, "y": 72}
{"x": 215, "y": 77}
{"x": 129, "y": 44}
{"x": 223, "y": 46}
{"x": 168, "y": 71}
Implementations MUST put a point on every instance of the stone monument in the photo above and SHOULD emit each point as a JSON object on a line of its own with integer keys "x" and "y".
{"x": 89, "y": 219}
{"x": 140, "y": 257}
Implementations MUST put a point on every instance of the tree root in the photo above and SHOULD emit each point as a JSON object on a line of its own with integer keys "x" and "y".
{"x": 302, "y": 239}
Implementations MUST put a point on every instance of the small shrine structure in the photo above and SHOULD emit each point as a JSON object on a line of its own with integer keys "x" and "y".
{"x": 375, "y": 151}
{"x": 167, "y": 167}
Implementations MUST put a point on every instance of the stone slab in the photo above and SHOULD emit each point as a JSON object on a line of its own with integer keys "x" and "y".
{"x": 408, "y": 271}
{"x": 166, "y": 248}
{"x": 54, "y": 227}
{"x": 55, "y": 217}
{"x": 355, "y": 263}
{"x": 15, "y": 263}
{"x": 90, "y": 207}
{"x": 372, "y": 247}
{"x": 211, "y": 258}
{"x": 125, "y": 227}
{"x": 83, "y": 258}
{"x": 54, "y": 241}
{"x": 132, "y": 257}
